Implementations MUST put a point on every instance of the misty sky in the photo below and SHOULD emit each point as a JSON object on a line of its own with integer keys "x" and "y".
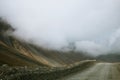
{"x": 93, "y": 25}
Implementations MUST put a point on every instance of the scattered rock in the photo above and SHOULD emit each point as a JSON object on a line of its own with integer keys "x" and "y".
{"x": 5, "y": 65}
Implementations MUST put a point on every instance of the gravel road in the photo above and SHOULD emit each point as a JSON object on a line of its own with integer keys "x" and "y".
{"x": 100, "y": 71}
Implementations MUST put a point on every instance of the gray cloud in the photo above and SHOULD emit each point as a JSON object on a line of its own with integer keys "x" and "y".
{"x": 91, "y": 24}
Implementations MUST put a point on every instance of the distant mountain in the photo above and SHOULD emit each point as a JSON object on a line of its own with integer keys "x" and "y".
{"x": 111, "y": 57}
{"x": 20, "y": 53}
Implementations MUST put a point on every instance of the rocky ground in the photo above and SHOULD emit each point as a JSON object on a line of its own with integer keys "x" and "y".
{"x": 40, "y": 73}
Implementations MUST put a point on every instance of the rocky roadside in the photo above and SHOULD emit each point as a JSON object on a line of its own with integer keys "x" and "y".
{"x": 40, "y": 73}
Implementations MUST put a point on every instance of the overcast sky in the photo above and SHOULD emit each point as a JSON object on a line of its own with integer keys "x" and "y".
{"x": 93, "y": 25}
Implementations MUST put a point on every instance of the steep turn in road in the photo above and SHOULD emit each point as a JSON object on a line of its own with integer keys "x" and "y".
{"x": 100, "y": 71}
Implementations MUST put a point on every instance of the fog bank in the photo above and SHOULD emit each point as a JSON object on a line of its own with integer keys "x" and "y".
{"x": 92, "y": 26}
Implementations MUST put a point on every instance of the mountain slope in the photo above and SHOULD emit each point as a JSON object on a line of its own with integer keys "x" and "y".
{"x": 17, "y": 52}
{"x": 8, "y": 53}
{"x": 111, "y": 57}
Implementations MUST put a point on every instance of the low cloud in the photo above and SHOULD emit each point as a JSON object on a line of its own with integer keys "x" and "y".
{"x": 91, "y": 47}
{"x": 92, "y": 25}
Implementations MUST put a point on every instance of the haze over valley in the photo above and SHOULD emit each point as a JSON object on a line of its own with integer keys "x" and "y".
{"x": 63, "y": 40}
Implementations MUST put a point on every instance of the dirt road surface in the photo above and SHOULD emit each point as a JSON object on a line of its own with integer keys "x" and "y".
{"x": 100, "y": 71}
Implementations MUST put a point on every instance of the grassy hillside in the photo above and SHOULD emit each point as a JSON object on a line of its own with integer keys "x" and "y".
{"x": 16, "y": 52}
{"x": 20, "y": 60}
{"x": 111, "y": 57}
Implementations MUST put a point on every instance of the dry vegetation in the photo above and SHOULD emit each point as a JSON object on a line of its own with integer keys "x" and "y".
{"x": 41, "y": 73}
{"x": 39, "y": 63}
